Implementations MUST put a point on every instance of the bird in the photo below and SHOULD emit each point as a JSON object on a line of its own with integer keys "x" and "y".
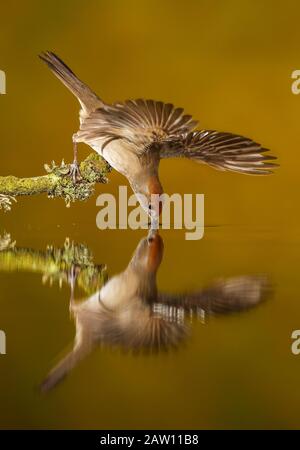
{"x": 131, "y": 313}
{"x": 134, "y": 135}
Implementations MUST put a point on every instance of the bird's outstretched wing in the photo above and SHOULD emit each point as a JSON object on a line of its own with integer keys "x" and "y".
{"x": 142, "y": 122}
{"x": 223, "y": 297}
{"x": 223, "y": 151}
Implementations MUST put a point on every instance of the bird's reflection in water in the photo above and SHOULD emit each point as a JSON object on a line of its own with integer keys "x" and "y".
{"x": 129, "y": 311}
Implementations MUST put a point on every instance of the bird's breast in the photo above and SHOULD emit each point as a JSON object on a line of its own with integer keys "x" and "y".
{"x": 119, "y": 155}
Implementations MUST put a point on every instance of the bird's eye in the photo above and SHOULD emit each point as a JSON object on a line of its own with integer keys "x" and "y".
{"x": 150, "y": 206}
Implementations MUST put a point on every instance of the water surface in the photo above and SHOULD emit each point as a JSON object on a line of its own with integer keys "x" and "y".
{"x": 179, "y": 336}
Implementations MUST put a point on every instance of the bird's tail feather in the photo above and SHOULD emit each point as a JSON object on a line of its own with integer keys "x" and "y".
{"x": 87, "y": 98}
{"x": 64, "y": 367}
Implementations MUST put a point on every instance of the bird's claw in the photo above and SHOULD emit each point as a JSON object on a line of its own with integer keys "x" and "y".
{"x": 75, "y": 172}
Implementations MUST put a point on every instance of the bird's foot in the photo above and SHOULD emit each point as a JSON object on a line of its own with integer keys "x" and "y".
{"x": 74, "y": 172}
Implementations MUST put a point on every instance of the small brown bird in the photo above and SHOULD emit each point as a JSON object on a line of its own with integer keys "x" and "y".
{"x": 135, "y": 135}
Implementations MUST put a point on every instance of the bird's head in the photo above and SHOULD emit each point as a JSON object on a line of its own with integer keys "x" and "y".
{"x": 148, "y": 190}
{"x": 149, "y": 253}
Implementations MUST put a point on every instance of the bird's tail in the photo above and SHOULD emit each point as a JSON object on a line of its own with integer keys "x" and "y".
{"x": 64, "y": 367}
{"x": 87, "y": 98}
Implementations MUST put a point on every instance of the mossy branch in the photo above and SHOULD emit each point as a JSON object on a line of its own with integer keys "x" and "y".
{"x": 57, "y": 182}
{"x": 55, "y": 264}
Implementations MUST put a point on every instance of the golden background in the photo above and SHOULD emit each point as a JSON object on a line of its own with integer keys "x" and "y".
{"x": 229, "y": 63}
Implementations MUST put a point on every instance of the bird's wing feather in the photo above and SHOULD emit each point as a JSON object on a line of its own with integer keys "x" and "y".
{"x": 141, "y": 122}
{"x": 224, "y": 296}
{"x": 223, "y": 151}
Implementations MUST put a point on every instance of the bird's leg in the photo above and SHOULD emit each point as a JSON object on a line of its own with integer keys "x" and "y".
{"x": 74, "y": 167}
{"x": 72, "y": 278}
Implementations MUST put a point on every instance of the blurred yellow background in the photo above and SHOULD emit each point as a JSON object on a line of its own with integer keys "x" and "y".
{"x": 229, "y": 63}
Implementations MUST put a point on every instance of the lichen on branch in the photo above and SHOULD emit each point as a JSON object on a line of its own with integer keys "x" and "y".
{"x": 57, "y": 182}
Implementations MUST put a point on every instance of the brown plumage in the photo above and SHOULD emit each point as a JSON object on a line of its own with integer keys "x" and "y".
{"x": 133, "y": 136}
